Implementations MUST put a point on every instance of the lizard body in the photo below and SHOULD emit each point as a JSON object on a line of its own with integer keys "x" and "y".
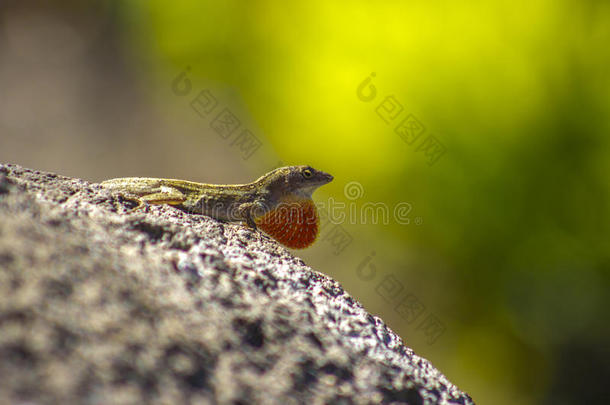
{"x": 278, "y": 202}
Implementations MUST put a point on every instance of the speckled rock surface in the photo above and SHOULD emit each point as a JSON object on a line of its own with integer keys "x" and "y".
{"x": 98, "y": 307}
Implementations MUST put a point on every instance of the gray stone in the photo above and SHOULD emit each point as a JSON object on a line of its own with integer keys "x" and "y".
{"x": 98, "y": 306}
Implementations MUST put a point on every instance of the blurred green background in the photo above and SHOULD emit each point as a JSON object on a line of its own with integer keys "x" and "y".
{"x": 501, "y": 275}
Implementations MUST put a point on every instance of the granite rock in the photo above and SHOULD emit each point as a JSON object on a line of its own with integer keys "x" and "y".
{"x": 101, "y": 306}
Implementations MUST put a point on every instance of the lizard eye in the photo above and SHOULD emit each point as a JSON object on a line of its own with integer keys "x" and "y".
{"x": 307, "y": 173}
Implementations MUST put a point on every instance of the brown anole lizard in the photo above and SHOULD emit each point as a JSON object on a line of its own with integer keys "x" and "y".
{"x": 279, "y": 202}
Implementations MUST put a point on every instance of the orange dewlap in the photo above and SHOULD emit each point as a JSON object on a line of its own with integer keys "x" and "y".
{"x": 294, "y": 223}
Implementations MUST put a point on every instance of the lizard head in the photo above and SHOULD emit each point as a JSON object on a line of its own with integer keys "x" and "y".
{"x": 292, "y": 217}
{"x": 296, "y": 180}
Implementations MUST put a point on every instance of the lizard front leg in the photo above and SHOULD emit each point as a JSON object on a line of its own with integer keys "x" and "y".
{"x": 249, "y": 211}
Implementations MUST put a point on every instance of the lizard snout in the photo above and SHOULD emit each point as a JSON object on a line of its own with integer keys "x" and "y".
{"x": 325, "y": 178}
